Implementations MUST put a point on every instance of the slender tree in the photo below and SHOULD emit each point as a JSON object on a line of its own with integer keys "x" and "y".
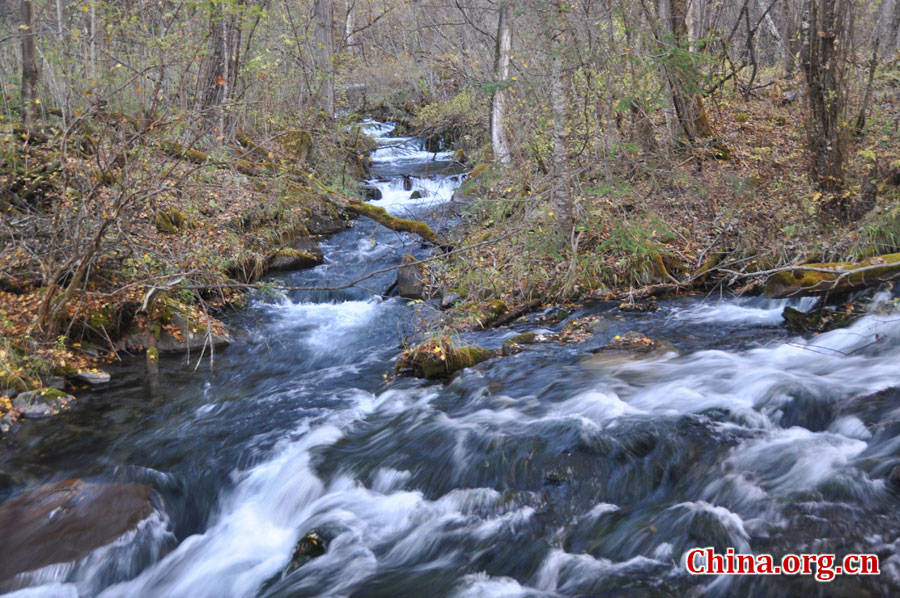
{"x": 562, "y": 198}
{"x": 499, "y": 141}
{"x": 29, "y": 65}
{"x": 324, "y": 21}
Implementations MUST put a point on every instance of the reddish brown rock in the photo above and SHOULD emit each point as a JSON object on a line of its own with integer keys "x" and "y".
{"x": 64, "y": 521}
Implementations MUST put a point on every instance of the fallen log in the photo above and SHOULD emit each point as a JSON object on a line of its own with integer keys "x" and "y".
{"x": 835, "y": 277}
{"x": 340, "y": 201}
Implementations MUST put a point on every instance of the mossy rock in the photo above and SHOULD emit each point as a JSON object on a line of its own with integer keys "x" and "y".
{"x": 512, "y": 346}
{"x": 288, "y": 258}
{"x": 439, "y": 358}
{"x": 170, "y": 221}
{"x": 526, "y": 338}
{"x": 44, "y": 402}
{"x": 417, "y": 194}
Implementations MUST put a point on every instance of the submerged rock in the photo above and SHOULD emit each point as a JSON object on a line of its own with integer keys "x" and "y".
{"x": 194, "y": 337}
{"x": 438, "y": 358}
{"x": 631, "y": 341}
{"x": 308, "y": 547}
{"x": 513, "y": 345}
{"x": 64, "y": 521}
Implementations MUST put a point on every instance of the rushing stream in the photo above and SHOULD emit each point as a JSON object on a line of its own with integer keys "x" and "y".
{"x": 554, "y": 472}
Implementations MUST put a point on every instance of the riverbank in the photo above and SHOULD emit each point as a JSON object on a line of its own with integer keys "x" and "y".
{"x": 651, "y": 222}
{"x": 169, "y": 241}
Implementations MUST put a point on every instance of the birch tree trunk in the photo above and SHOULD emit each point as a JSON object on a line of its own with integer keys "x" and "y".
{"x": 29, "y": 66}
{"x": 499, "y": 141}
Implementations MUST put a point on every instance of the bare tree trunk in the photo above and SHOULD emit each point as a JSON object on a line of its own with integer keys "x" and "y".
{"x": 29, "y": 66}
{"x": 562, "y": 199}
{"x": 59, "y": 21}
{"x": 821, "y": 57}
{"x": 894, "y": 31}
{"x": 348, "y": 23}
{"x": 222, "y": 66}
{"x": 324, "y": 17}
{"x": 499, "y": 141}
{"x": 93, "y": 43}
{"x": 773, "y": 31}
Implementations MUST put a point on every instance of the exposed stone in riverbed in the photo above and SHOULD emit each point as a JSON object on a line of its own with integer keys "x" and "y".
{"x": 63, "y": 521}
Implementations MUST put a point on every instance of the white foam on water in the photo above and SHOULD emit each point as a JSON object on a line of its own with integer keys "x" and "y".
{"x": 752, "y": 310}
{"x": 327, "y": 327}
{"x": 482, "y": 585}
{"x": 398, "y": 201}
{"x": 564, "y": 572}
{"x": 851, "y": 427}
{"x": 601, "y": 509}
{"x": 792, "y": 460}
{"x": 829, "y": 366}
{"x": 52, "y": 590}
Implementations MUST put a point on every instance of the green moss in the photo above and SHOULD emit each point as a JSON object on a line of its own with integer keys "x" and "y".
{"x": 170, "y": 221}
{"x": 297, "y": 144}
{"x": 802, "y": 280}
{"x": 153, "y": 354}
{"x": 439, "y": 359}
{"x": 525, "y": 338}
{"x": 52, "y": 393}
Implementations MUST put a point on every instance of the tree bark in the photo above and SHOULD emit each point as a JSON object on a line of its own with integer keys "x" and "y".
{"x": 562, "y": 200}
{"x": 499, "y": 141}
{"x": 222, "y": 66}
{"x": 821, "y": 28}
{"x": 324, "y": 18}
{"x": 894, "y": 32}
{"x": 29, "y": 65}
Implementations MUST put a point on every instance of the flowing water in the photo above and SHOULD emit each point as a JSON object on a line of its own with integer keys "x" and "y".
{"x": 555, "y": 472}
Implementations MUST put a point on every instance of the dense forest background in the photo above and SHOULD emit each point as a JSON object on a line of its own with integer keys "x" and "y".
{"x": 159, "y": 156}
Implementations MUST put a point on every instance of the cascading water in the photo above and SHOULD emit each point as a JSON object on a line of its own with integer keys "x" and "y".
{"x": 554, "y": 472}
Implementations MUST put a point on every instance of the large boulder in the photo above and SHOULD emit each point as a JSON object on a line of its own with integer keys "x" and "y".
{"x": 194, "y": 337}
{"x": 64, "y": 521}
{"x": 411, "y": 278}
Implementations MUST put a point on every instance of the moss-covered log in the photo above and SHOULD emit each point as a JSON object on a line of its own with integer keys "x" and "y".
{"x": 380, "y": 215}
{"x": 835, "y": 277}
